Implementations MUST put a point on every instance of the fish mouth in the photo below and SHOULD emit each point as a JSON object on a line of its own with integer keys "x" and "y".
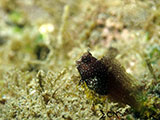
{"x": 78, "y": 61}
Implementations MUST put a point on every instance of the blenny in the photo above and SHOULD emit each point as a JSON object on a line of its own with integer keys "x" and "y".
{"x": 108, "y": 77}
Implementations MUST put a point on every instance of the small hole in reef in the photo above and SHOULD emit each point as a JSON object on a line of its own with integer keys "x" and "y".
{"x": 41, "y": 51}
{"x": 2, "y": 40}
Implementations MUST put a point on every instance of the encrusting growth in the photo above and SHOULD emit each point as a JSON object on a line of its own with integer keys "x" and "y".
{"x": 107, "y": 77}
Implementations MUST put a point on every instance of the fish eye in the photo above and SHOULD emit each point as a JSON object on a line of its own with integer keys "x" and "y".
{"x": 86, "y": 59}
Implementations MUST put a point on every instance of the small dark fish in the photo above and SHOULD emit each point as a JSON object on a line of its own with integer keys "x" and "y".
{"x": 93, "y": 72}
{"x": 107, "y": 77}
